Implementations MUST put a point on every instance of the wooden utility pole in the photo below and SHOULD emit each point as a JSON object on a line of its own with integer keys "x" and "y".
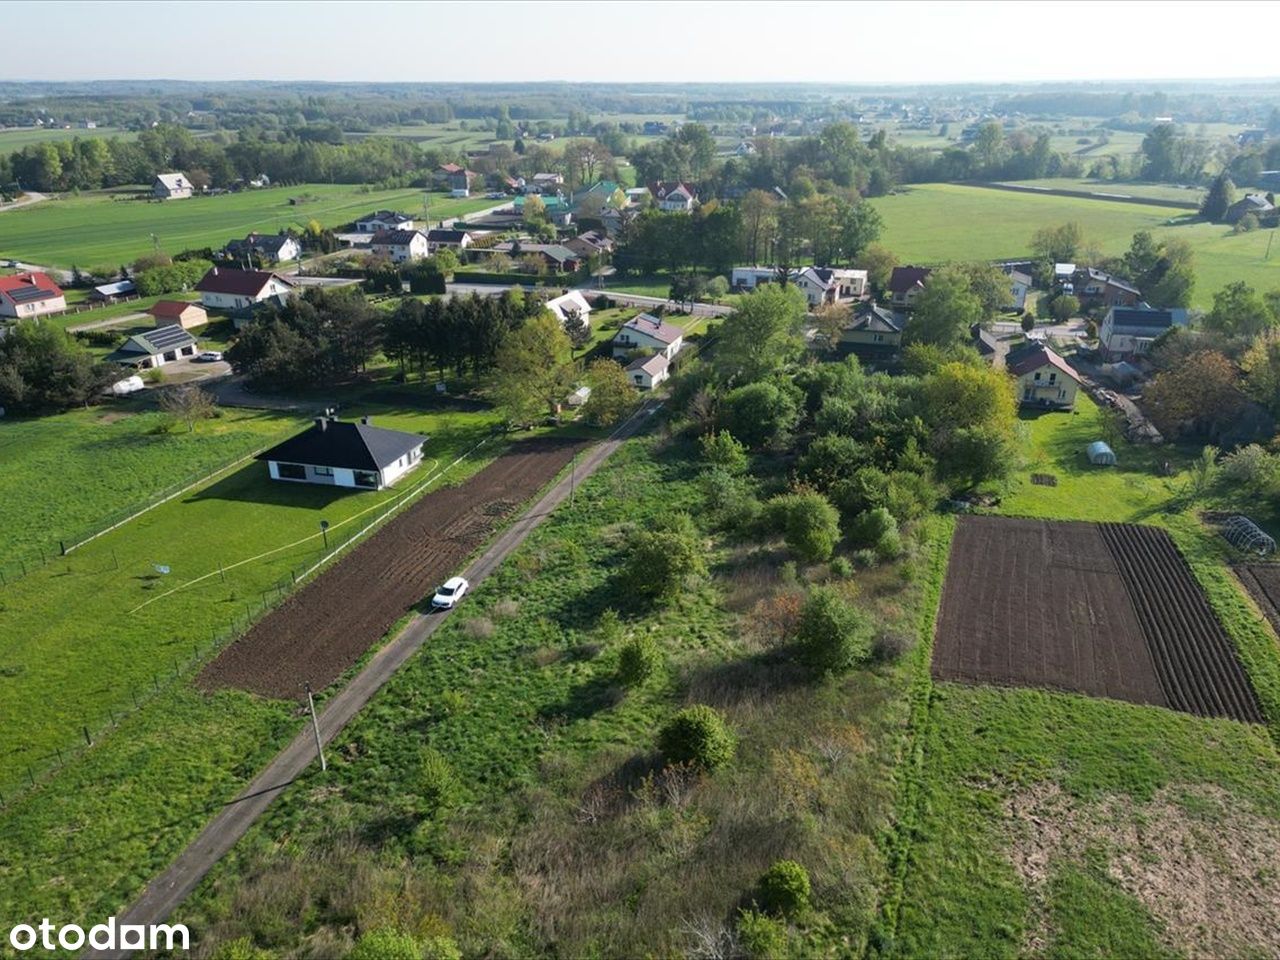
{"x": 315, "y": 728}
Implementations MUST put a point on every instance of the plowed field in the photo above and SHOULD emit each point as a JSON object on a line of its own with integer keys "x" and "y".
{"x": 1105, "y": 609}
{"x": 1262, "y": 580}
{"x": 325, "y": 627}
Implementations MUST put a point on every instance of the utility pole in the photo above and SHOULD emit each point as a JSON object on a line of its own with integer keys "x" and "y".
{"x": 573, "y": 475}
{"x": 315, "y": 728}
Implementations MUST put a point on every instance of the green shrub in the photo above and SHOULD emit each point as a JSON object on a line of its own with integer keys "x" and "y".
{"x": 241, "y": 948}
{"x": 889, "y": 546}
{"x": 661, "y": 558}
{"x": 437, "y": 784}
{"x": 729, "y": 500}
{"x": 841, "y": 567}
{"x": 609, "y": 627}
{"x": 784, "y": 889}
{"x": 833, "y": 633}
{"x": 440, "y": 948}
{"x": 722, "y": 450}
{"x": 697, "y": 735}
{"x": 877, "y": 530}
{"x": 808, "y": 522}
{"x": 386, "y": 945}
{"x": 639, "y": 660}
{"x": 761, "y": 937}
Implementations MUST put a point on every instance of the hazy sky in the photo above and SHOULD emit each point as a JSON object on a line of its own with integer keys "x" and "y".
{"x": 917, "y": 42}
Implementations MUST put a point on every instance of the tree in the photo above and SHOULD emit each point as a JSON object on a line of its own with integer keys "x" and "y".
{"x": 1261, "y": 366}
{"x": 534, "y": 372}
{"x": 945, "y": 310}
{"x": 638, "y": 660}
{"x": 760, "y": 414}
{"x": 784, "y": 889}
{"x": 1238, "y": 310}
{"x": 759, "y": 217}
{"x": 1252, "y": 468}
{"x": 535, "y": 210}
{"x": 829, "y": 322}
{"x": 833, "y": 635}
{"x": 612, "y": 394}
{"x": 188, "y": 404}
{"x": 808, "y": 522}
{"x": 1220, "y": 195}
{"x": 577, "y": 328}
{"x": 1028, "y": 323}
{"x": 1063, "y": 307}
{"x": 879, "y": 263}
{"x": 661, "y": 557}
{"x": 988, "y": 283}
{"x": 761, "y": 335}
{"x": 697, "y": 735}
{"x": 1058, "y": 244}
{"x": 42, "y": 368}
{"x": 720, "y": 449}
{"x": 970, "y": 410}
{"x": 1199, "y": 396}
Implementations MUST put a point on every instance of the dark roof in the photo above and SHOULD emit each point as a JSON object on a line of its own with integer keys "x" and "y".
{"x": 1142, "y": 319}
{"x": 354, "y": 446}
{"x": 446, "y": 236}
{"x": 1033, "y": 357}
{"x": 29, "y": 287}
{"x": 984, "y": 340}
{"x": 386, "y": 216}
{"x": 242, "y": 283}
{"x": 268, "y": 243}
{"x": 876, "y": 319}
{"x": 394, "y": 238}
{"x": 652, "y": 326}
{"x": 154, "y": 342}
{"x": 904, "y": 278}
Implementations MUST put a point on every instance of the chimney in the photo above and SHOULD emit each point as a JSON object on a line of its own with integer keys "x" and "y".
{"x": 322, "y": 424}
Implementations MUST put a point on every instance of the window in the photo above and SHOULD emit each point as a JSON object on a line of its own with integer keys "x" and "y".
{"x": 366, "y": 478}
{"x": 322, "y": 471}
{"x": 878, "y": 338}
{"x": 1037, "y": 376}
{"x": 1053, "y": 378}
{"x": 291, "y": 471}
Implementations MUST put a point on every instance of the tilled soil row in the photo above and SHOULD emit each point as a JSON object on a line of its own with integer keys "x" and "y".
{"x": 321, "y": 630}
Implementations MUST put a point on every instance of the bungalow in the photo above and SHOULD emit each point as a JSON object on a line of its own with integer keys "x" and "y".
{"x": 180, "y": 312}
{"x": 385, "y": 220}
{"x": 647, "y": 372}
{"x": 1097, "y": 288}
{"x": 155, "y": 348}
{"x": 572, "y": 303}
{"x": 650, "y": 334}
{"x": 748, "y": 278}
{"x": 341, "y": 454}
{"x": 1044, "y": 378}
{"x": 905, "y": 284}
{"x": 271, "y": 248}
{"x": 450, "y": 239}
{"x": 826, "y": 285}
{"x": 1019, "y": 287}
{"x": 1254, "y": 203}
{"x": 874, "y": 336}
{"x": 1128, "y": 332}
{"x": 107, "y": 292}
{"x": 171, "y": 186}
{"x": 557, "y": 257}
{"x": 676, "y": 195}
{"x": 27, "y": 295}
{"x": 400, "y": 245}
{"x": 222, "y": 288}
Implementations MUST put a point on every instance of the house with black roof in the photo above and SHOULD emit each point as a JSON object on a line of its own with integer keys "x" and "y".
{"x": 1128, "y": 332}
{"x": 345, "y": 454}
{"x": 874, "y": 336}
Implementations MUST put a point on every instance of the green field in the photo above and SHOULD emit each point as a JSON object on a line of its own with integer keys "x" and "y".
{"x": 933, "y": 223}
{"x": 15, "y": 138}
{"x": 1153, "y": 191}
{"x": 94, "y": 229}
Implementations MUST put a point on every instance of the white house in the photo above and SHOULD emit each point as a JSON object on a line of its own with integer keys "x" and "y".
{"x": 400, "y": 245}
{"x": 1044, "y": 378}
{"x": 385, "y": 220}
{"x": 571, "y": 303}
{"x": 648, "y": 333}
{"x": 269, "y": 248}
{"x": 27, "y": 295}
{"x": 676, "y": 196}
{"x": 171, "y": 186}
{"x": 341, "y": 454}
{"x": 448, "y": 239}
{"x": 647, "y": 372}
{"x": 226, "y": 289}
{"x": 1128, "y": 332}
{"x": 155, "y": 348}
{"x": 1019, "y": 287}
{"x": 748, "y": 278}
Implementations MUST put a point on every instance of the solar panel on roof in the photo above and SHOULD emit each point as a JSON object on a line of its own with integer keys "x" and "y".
{"x": 171, "y": 336}
{"x": 27, "y": 294}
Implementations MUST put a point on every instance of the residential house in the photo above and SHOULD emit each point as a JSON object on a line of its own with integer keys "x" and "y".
{"x": 748, "y": 278}
{"x": 905, "y": 284}
{"x": 447, "y": 239}
{"x": 589, "y": 244}
{"x": 744, "y": 149}
{"x": 1097, "y": 288}
{"x": 572, "y": 303}
{"x": 674, "y": 195}
{"x": 400, "y": 246}
{"x": 825, "y": 285}
{"x": 1019, "y": 287}
{"x": 180, "y": 312}
{"x": 385, "y": 220}
{"x": 171, "y": 186}
{"x": 1254, "y": 203}
{"x": 265, "y": 248}
{"x": 27, "y": 295}
{"x": 1063, "y": 274}
{"x": 647, "y": 372}
{"x": 544, "y": 183}
{"x": 109, "y": 292}
{"x": 345, "y": 454}
{"x": 874, "y": 336}
{"x": 1044, "y": 378}
{"x": 988, "y": 347}
{"x": 650, "y": 334}
{"x": 155, "y": 348}
{"x": 556, "y": 256}
{"x": 222, "y": 288}
{"x": 459, "y": 181}
{"x": 1128, "y": 332}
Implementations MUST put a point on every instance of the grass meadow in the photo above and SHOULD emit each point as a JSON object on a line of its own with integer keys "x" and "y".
{"x": 15, "y": 138}
{"x": 105, "y": 229}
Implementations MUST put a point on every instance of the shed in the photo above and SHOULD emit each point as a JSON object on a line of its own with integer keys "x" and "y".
{"x": 1100, "y": 454}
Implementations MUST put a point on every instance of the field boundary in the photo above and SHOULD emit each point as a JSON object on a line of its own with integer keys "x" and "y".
{"x": 1081, "y": 194}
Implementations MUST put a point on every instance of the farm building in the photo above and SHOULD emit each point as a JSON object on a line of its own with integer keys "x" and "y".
{"x": 27, "y": 295}
{"x": 1128, "y": 332}
{"x": 647, "y": 372}
{"x": 107, "y": 292}
{"x": 400, "y": 246}
{"x": 385, "y": 220}
{"x": 1044, "y": 378}
{"x": 171, "y": 186}
{"x": 650, "y": 334}
{"x": 572, "y": 303}
{"x": 1254, "y": 203}
{"x": 1100, "y": 454}
{"x": 345, "y": 454}
{"x": 155, "y": 348}
{"x": 179, "y": 312}
{"x": 225, "y": 289}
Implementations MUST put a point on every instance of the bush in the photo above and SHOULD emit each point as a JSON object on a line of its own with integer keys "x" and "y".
{"x": 386, "y": 945}
{"x": 661, "y": 559}
{"x": 241, "y": 948}
{"x": 697, "y": 735}
{"x": 808, "y": 522}
{"x": 722, "y": 450}
{"x": 760, "y": 414}
{"x": 638, "y": 660}
{"x": 833, "y": 634}
{"x": 729, "y": 500}
{"x": 891, "y": 644}
{"x": 784, "y": 889}
{"x": 440, "y": 948}
{"x": 761, "y": 937}
{"x": 841, "y": 567}
{"x": 877, "y": 530}
{"x": 437, "y": 784}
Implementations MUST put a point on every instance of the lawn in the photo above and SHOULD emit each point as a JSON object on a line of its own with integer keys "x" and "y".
{"x": 99, "y": 229}
{"x": 15, "y": 138}
{"x": 1154, "y": 191}
{"x": 933, "y": 223}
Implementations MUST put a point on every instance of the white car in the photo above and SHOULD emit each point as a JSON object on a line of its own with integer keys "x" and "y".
{"x": 209, "y": 356}
{"x": 449, "y": 593}
{"x": 495, "y": 195}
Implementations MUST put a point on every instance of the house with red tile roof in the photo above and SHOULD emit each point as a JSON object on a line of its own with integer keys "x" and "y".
{"x": 905, "y": 284}
{"x": 27, "y": 295}
{"x": 1044, "y": 378}
{"x": 225, "y": 289}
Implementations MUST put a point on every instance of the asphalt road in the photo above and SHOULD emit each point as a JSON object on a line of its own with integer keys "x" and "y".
{"x": 168, "y": 890}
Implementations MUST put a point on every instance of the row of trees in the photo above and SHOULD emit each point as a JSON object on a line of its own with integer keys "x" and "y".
{"x": 43, "y": 369}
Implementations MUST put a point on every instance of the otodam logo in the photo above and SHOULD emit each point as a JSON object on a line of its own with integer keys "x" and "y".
{"x": 101, "y": 936}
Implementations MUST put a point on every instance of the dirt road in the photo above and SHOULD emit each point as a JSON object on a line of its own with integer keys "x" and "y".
{"x": 168, "y": 890}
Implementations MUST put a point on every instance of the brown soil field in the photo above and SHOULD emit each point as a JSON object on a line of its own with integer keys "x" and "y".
{"x": 321, "y": 630}
{"x": 1109, "y": 610}
{"x": 1262, "y": 580}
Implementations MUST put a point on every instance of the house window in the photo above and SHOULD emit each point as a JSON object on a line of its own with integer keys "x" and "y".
{"x": 291, "y": 471}
{"x": 878, "y": 338}
{"x": 1053, "y": 378}
{"x": 1037, "y": 376}
{"x": 366, "y": 478}
{"x": 322, "y": 471}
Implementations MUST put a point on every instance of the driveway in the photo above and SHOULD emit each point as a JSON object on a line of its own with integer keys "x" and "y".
{"x": 193, "y": 371}
{"x": 27, "y": 200}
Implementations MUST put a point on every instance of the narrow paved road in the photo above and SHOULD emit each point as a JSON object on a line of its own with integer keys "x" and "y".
{"x": 169, "y": 889}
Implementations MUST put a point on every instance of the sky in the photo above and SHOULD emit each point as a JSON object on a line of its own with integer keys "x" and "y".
{"x": 623, "y": 41}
